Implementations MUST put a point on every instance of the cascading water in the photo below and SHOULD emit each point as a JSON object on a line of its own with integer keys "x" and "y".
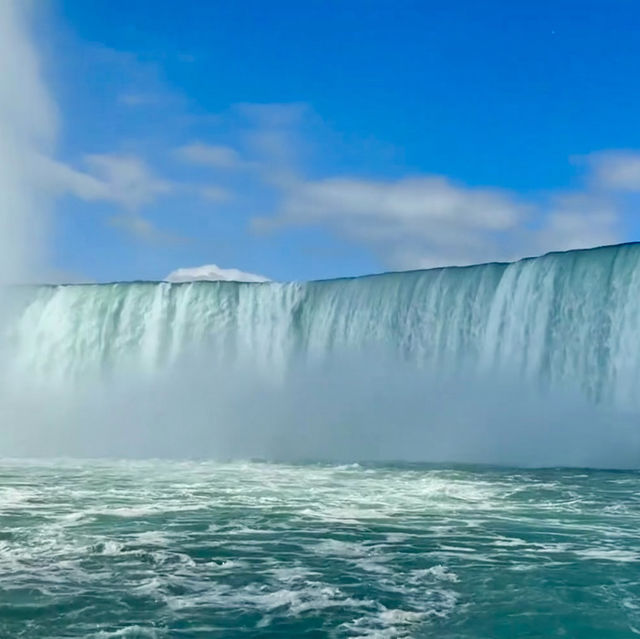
{"x": 357, "y": 356}
{"x": 565, "y": 318}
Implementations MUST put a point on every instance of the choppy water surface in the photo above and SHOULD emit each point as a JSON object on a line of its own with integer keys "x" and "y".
{"x": 189, "y": 549}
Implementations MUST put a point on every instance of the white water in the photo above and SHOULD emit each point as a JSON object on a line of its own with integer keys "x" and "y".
{"x": 478, "y": 339}
{"x": 564, "y": 318}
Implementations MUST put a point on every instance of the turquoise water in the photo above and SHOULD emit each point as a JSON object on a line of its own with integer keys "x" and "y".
{"x": 204, "y": 550}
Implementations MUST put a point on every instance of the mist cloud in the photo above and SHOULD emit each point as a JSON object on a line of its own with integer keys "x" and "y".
{"x": 28, "y": 128}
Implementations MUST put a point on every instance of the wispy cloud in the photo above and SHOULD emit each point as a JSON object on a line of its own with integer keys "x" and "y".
{"x": 214, "y": 193}
{"x": 124, "y": 180}
{"x": 127, "y": 179}
{"x": 138, "y": 99}
{"x": 212, "y": 155}
{"x": 616, "y": 170}
{"x": 283, "y": 116}
{"x": 428, "y": 218}
{"x": 578, "y": 220}
{"x": 143, "y": 229}
{"x": 275, "y": 140}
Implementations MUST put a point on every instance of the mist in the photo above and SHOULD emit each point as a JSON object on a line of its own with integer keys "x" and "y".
{"x": 28, "y": 126}
{"x": 344, "y": 409}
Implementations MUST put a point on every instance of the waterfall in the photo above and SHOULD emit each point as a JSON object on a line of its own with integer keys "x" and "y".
{"x": 569, "y": 317}
{"x": 535, "y": 363}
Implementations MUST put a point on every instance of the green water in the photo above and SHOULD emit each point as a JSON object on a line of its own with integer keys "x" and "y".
{"x": 190, "y": 549}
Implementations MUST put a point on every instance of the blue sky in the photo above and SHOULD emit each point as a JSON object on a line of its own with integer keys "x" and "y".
{"x": 320, "y": 139}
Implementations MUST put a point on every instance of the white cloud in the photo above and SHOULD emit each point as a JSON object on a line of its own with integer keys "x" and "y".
{"x": 413, "y": 222}
{"x": 212, "y": 155}
{"x": 56, "y": 178}
{"x": 413, "y": 202}
{"x": 124, "y": 180}
{"x": 121, "y": 179}
{"x": 212, "y": 272}
{"x": 616, "y": 170}
{"x": 127, "y": 179}
{"x": 429, "y": 221}
{"x": 579, "y": 220}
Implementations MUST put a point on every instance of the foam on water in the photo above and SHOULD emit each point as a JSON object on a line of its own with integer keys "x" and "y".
{"x": 235, "y": 561}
